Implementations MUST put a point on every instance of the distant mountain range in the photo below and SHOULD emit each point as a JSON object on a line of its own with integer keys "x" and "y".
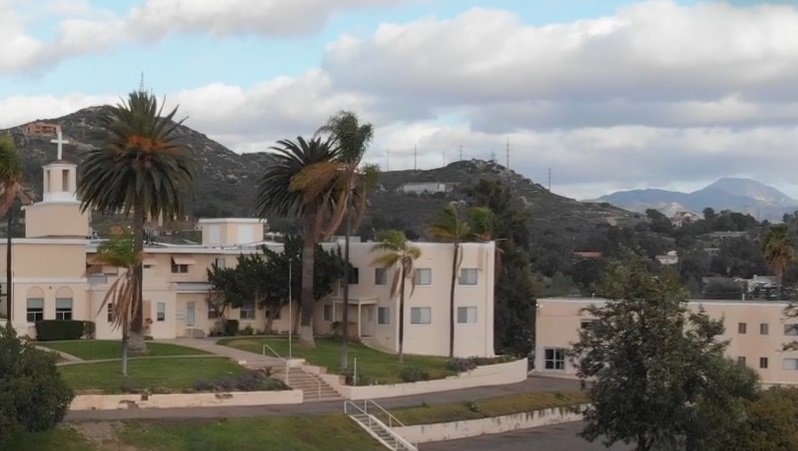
{"x": 736, "y": 194}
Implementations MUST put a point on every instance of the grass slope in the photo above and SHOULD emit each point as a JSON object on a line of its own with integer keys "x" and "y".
{"x": 375, "y": 365}
{"x": 112, "y": 349}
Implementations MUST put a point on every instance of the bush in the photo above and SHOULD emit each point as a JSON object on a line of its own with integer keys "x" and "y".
{"x": 33, "y": 396}
{"x": 458, "y": 366}
{"x": 254, "y": 380}
{"x": 89, "y": 330}
{"x": 349, "y": 377}
{"x": 413, "y": 374}
{"x": 55, "y": 329}
{"x": 231, "y": 327}
{"x": 247, "y": 331}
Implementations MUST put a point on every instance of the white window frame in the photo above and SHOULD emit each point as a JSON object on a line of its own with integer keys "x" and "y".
{"x": 247, "y": 311}
{"x": 327, "y": 313}
{"x": 220, "y": 262}
{"x": 468, "y": 276}
{"x": 790, "y": 364}
{"x": 466, "y": 315}
{"x": 417, "y": 315}
{"x": 791, "y": 330}
{"x": 34, "y": 314}
{"x": 554, "y": 359}
{"x": 383, "y": 316}
{"x": 160, "y": 312}
{"x": 418, "y": 279}
{"x": 380, "y": 276}
{"x": 109, "y": 312}
{"x": 63, "y": 313}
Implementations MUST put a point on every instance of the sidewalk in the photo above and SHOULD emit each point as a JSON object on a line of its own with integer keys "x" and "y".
{"x": 209, "y": 345}
{"x": 533, "y": 384}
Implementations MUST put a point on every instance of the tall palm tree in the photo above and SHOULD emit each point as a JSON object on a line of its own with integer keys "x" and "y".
{"x": 779, "y": 251}
{"x": 451, "y": 227}
{"x": 401, "y": 255}
{"x": 352, "y": 188}
{"x": 143, "y": 168}
{"x": 482, "y": 222}
{"x": 125, "y": 291}
{"x": 298, "y": 183}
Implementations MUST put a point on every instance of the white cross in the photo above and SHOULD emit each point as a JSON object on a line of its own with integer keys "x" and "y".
{"x": 60, "y": 141}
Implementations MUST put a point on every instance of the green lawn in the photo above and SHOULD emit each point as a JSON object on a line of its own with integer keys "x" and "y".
{"x": 173, "y": 374}
{"x": 375, "y": 365}
{"x": 306, "y": 433}
{"x": 112, "y": 349}
{"x": 60, "y": 439}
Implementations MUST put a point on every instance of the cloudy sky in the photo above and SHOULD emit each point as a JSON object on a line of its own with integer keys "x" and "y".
{"x": 609, "y": 94}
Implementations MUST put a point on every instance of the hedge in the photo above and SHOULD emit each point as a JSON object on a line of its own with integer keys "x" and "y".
{"x": 231, "y": 327}
{"x": 55, "y": 330}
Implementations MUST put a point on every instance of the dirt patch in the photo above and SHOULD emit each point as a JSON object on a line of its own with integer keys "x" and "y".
{"x": 103, "y": 434}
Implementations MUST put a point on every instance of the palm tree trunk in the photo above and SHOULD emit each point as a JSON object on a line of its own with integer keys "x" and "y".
{"x": 136, "y": 343}
{"x": 307, "y": 302}
{"x": 401, "y": 315}
{"x": 451, "y": 299}
{"x": 9, "y": 282}
{"x": 345, "y": 316}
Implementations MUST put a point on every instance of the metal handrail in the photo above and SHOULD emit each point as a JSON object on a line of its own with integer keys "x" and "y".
{"x": 372, "y": 419}
{"x": 312, "y": 376}
{"x": 391, "y": 419}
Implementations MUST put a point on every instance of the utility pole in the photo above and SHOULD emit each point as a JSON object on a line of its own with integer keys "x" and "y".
{"x": 443, "y": 156}
{"x": 508, "y": 154}
{"x": 461, "y": 153}
{"x": 387, "y": 160}
{"x": 549, "y": 179}
{"x": 415, "y": 158}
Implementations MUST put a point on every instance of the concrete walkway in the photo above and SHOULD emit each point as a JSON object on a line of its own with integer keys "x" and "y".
{"x": 69, "y": 358}
{"x": 152, "y": 357}
{"x": 209, "y": 345}
{"x": 531, "y": 385}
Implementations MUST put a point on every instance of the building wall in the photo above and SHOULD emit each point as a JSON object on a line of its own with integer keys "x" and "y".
{"x": 71, "y": 222}
{"x": 231, "y": 231}
{"x": 559, "y": 321}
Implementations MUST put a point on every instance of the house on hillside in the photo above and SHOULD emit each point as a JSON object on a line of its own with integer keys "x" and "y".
{"x": 56, "y": 277}
{"x": 587, "y": 255}
{"x": 426, "y": 187}
{"x": 682, "y": 218}
{"x": 41, "y": 129}
{"x": 670, "y": 258}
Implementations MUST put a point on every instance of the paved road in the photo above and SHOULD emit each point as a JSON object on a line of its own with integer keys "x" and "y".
{"x": 533, "y": 384}
{"x": 561, "y": 437}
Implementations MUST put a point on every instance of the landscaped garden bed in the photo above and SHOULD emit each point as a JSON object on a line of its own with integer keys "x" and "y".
{"x": 112, "y": 349}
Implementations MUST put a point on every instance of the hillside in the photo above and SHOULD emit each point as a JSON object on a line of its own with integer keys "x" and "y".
{"x": 225, "y": 184}
{"x": 735, "y": 194}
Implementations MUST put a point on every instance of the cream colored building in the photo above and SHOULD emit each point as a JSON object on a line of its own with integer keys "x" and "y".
{"x": 757, "y": 331}
{"x": 53, "y": 278}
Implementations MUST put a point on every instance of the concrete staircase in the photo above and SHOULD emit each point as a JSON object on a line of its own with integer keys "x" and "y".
{"x": 382, "y": 432}
{"x": 313, "y": 388}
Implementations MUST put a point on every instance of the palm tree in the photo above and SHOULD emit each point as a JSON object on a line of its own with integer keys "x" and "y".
{"x": 298, "y": 182}
{"x": 482, "y": 222}
{"x": 125, "y": 292}
{"x": 400, "y": 254}
{"x": 450, "y": 227}
{"x": 779, "y": 251}
{"x": 11, "y": 189}
{"x": 142, "y": 169}
{"x": 352, "y": 188}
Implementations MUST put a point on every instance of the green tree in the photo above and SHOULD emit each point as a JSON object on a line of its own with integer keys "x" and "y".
{"x": 299, "y": 182}
{"x": 353, "y": 186}
{"x": 514, "y": 292}
{"x": 33, "y": 396}
{"x": 400, "y": 255}
{"x": 779, "y": 251}
{"x": 142, "y": 169}
{"x": 770, "y": 423}
{"x": 650, "y": 362}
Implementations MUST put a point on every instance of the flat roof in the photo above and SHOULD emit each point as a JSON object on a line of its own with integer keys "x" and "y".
{"x": 231, "y": 221}
{"x": 690, "y": 301}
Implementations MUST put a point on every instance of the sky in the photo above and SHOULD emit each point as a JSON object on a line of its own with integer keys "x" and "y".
{"x": 607, "y": 94}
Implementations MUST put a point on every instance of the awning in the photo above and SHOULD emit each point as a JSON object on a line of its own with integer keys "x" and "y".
{"x": 182, "y": 260}
{"x": 356, "y": 301}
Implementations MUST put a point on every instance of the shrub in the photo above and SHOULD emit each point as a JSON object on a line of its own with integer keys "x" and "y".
{"x": 89, "y": 330}
{"x": 247, "y": 330}
{"x": 458, "y": 366}
{"x": 349, "y": 377}
{"x": 231, "y": 327}
{"x": 413, "y": 374}
{"x": 33, "y": 396}
{"x": 55, "y": 329}
{"x": 254, "y": 380}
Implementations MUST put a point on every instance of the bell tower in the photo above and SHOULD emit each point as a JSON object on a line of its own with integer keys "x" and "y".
{"x": 58, "y": 214}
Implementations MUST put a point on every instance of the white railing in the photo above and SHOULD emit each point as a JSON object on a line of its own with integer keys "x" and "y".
{"x": 287, "y": 368}
{"x": 392, "y": 420}
{"x": 372, "y": 420}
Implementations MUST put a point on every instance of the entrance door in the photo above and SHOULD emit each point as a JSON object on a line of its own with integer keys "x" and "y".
{"x": 191, "y": 308}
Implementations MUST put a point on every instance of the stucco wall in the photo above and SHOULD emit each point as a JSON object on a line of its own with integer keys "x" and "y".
{"x": 115, "y": 402}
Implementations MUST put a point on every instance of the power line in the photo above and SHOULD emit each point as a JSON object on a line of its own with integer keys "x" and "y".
{"x": 415, "y": 158}
{"x": 549, "y": 179}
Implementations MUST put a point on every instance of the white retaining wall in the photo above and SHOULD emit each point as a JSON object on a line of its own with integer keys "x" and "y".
{"x": 130, "y": 401}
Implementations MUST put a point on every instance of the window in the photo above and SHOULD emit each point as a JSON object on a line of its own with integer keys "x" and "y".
{"x": 586, "y": 323}
{"x": 354, "y": 276}
{"x": 109, "y": 313}
{"x": 247, "y": 310}
{"x": 763, "y": 362}
{"x": 791, "y": 329}
{"x": 160, "y": 313}
{"x": 423, "y": 276}
{"x": 179, "y": 268}
{"x": 383, "y": 315}
{"x": 35, "y": 309}
{"x": 63, "y": 308}
{"x": 328, "y": 313}
{"x": 791, "y": 364}
{"x": 466, "y": 315}
{"x": 764, "y": 329}
{"x": 65, "y": 180}
{"x": 742, "y": 328}
{"x": 420, "y": 315}
{"x": 213, "y": 312}
{"x": 554, "y": 359}
{"x": 380, "y": 276}
{"x": 220, "y": 263}
{"x": 468, "y": 276}
{"x": 268, "y": 312}
{"x": 741, "y": 360}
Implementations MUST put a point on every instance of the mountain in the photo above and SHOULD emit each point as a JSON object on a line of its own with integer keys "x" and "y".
{"x": 736, "y": 194}
{"x": 225, "y": 182}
